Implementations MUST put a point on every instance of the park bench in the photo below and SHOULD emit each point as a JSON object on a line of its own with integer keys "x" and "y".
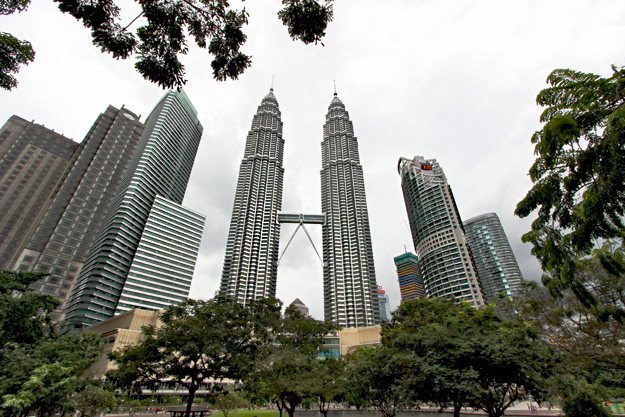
{"x": 196, "y": 411}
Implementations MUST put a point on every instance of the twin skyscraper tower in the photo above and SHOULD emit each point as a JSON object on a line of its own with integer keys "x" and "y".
{"x": 252, "y": 252}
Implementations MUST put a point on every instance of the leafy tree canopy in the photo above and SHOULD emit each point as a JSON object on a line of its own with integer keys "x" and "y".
{"x": 13, "y": 53}
{"x": 375, "y": 375}
{"x": 199, "y": 340}
{"x": 162, "y": 38}
{"x": 287, "y": 376}
{"x": 92, "y": 400}
{"x": 42, "y": 377}
{"x": 228, "y": 401}
{"x": 39, "y": 370}
{"x": 457, "y": 355}
{"x": 589, "y": 338}
{"x": 328, "y": 386}
{"x": 24, "y": 316}
{"x": 578, "y": 192}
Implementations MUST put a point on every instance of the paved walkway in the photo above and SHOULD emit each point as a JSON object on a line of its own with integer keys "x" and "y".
{"x": 519, "y": 409}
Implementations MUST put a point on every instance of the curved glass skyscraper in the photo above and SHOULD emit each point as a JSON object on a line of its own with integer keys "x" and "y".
{"x": 444, "y": 257}
{"x": 494, "y": 259}
{"x": 251, "y": 262}
{"x": 159, "y": 168}
{"x": 349, "y": 282}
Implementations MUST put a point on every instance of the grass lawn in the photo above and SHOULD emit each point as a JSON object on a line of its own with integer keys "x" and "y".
{"x": 249, "y": 413}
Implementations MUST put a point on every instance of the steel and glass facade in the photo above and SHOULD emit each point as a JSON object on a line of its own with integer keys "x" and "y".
{"x": 445, "y": 259}
{"x": 251, "y": 262}
{"x": 349, "y": 280}
{"x": 61, "y": 240}
{"x": 495, "y": 262}
{"x": 162, "y": 268}
{"x": 409, "y": 276}
{"x": 160, "y": 166}
{"x": 385, "y": 305}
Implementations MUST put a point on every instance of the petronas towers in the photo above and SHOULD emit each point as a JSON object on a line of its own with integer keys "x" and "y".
{"x": 251, "y": 261}
{"x": 350, "y": 288}
{"x": 251, "y": 264}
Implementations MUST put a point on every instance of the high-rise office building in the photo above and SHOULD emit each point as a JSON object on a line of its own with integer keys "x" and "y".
{"x": 160, "y": 167}
{"x": 59, "y": 242}
{"x": 409, "y": 276}
{"x": 495, "y": 262}
{"x": 251, "y": 262}
{"x": 385, "y": 305}
{"x": 162, "y": 268}
{"x": 33, "y": 159}
{"x": 444, "y": 257}
{"x": 349, "y": 281}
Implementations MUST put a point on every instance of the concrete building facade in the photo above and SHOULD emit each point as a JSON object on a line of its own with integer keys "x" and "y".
{"x": 33, "y": 160}
{"x": 59, "y": 242}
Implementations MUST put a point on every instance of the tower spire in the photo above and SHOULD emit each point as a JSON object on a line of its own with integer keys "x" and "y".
{"x": 334, "y": 88}
{"x": 271, "y": 89}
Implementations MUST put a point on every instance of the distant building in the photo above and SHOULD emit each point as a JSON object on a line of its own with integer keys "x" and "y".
{"x": 59, "y": 242}
{"x": 409, "y": 276}
{"x": 494, "y": 259}
{"x": 118, "y": 332}
{"x": 354, "y": 338}
{"x": 444, "y": 257}
{"x": 301, "y": 307}
{"x": 124, "y": 330}
{"x": 33, "y": 159}
{"x": 385, "y": 305}
{"x": 344, "y": 341}
{"x": 145, "y": 216}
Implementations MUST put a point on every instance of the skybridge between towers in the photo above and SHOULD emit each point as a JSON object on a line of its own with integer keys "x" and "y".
{"x": 301, "y": 220}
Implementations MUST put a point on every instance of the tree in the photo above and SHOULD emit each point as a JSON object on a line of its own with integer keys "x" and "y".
{"x": 42, "y": 377}
{"x": 328, "y": 384}
{"x": 588, "y": 338}
{"x": 92, "y": 400}
{"x": 228, "y": 401}
{"x": 13, "y": 53}
{"x": 456, "y": 354}
{"x": 578, "y": 191}
{"x": 24, "y": 316}
{"x": 160, "y": 42}
{"x": 38, "y": 368}
{"x": 286, "y": 375}
{"x": 199, "y": 340}
{"x": 429, "y": 337}
{"x": 375, "y": 375}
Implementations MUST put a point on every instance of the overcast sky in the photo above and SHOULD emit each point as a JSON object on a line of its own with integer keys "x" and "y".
{"x": 454, "y": 80}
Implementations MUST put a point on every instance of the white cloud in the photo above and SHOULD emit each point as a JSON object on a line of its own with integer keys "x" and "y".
{"x": 454, "y": 80}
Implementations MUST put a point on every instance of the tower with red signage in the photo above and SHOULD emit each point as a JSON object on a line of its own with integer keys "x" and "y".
{"x": 445, "y": 259}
